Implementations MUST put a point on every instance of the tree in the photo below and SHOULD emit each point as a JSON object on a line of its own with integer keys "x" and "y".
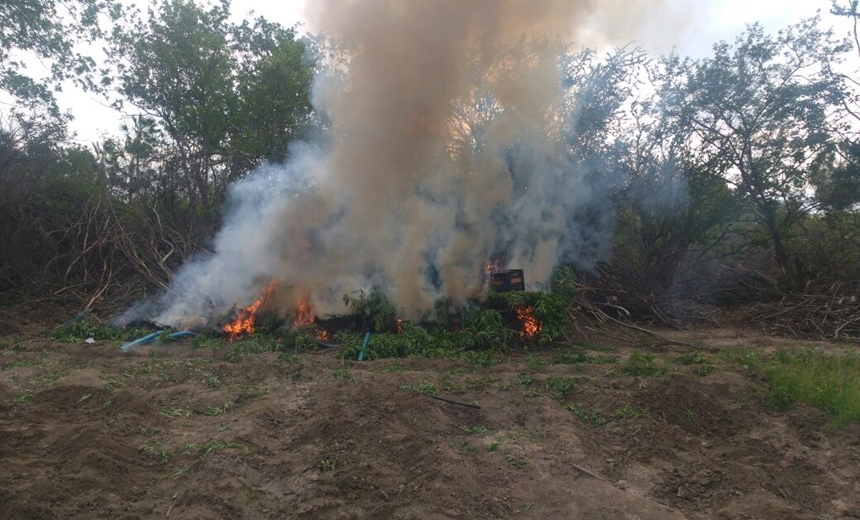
{"x": 49, "y": 31}
{"x": 132, "y": 167}
{"x": 761, "y": 112}
{"x": 674, "y": 210}
{"x": 176, "y": 67}
{"x": 838, "y": 186}
{"x": 228, "y": 96}
{"x": 273, "y": 89}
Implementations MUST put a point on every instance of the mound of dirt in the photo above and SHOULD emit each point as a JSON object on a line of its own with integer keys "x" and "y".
{"x": 197, "y": 434}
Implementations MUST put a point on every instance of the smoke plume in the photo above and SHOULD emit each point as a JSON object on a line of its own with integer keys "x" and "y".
{"x": 445, "y": 144}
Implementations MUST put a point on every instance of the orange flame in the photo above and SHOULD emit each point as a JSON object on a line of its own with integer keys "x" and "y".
{"x": 531, "y": 325}
{"x": 244, "y": 324}
{"x": 491, "y": 267}
{"x": 304, "y": 314}
{"x": 399, "y": 325}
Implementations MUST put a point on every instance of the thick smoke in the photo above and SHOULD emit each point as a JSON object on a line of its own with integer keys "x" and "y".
{"x": 446, "y": 145}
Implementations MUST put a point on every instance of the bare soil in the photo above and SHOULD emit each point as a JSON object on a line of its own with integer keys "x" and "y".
{"x": 174, "y": 432}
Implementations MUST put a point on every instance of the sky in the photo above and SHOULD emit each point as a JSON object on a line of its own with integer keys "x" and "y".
{"x": 690, "y": 27}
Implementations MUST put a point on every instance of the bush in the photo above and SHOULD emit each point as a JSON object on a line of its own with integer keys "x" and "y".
{"x": 83, "y": 328}
{"x": 828, "y": 381}
{"x": 550, "y": 310}
{"x": 484, "y": 330}
{"x": 375, "y": 309}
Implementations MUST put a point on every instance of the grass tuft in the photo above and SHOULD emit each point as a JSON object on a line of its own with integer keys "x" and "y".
{"x": 425, "y": 387}
{"x": 81, "y": 329}
{"x": 640, "y": 364}
{"x": 577, "y": 356}
{"x": 828, "y": 381}
{"x": 342, "y": 374}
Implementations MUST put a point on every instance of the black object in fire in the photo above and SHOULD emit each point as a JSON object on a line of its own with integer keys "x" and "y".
{"x": 507, "y": 281}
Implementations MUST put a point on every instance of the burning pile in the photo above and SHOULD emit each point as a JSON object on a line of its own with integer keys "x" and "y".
{"x": 245, "y": 324}
{"x": 304, "y": 314}
{"x": 470, "y": 145}
{"x": 531, "y": 325}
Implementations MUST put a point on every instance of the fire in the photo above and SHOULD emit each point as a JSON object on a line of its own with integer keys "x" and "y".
{"x": 491, "y": 267}
{"x": 304, "y": 314}
{"x": 244, "y": 324}
{"x": 531, "y": 325}
{"x": 399, "y": 325}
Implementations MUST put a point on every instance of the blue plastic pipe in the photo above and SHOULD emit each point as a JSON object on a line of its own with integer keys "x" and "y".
{"x": 76, "y": 318}
{"x": 152, "y": 337}
{"x": 142, "y": 341}
{"x": 364, "y": 347}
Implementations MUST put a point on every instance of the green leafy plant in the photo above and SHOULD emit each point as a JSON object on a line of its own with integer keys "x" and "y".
{"x": 218, "y": 445}
{"x": 474, "y": 430}
{"x": 535, "y": 363}
{"x": 342, "y": 374}
{"x": 630, "y": 410}
{"x": 549, "y": 309}
{"x": 641, "y": 364}
{"x": 425, "y": 387}
{"x": 514, "y": 461}
{"x": 558, "y": 386}
{"x": 329, "y": 464}
{"x": 705, "y": 363}
{"x": 577, "y": 356}
{"x": 214, "y": 411}
{"x": 483, "y": 332}
{"x": 593, "y": 417}
{"x": 376, "y": 309}
{"x": 25, "y": 399}
{"x": 83, "y": 328}
{"x": 828, "y": 381}
{"x": 209, "y": 340}
{"x": 465, "y": 447}
{"x": 300, "y": 339}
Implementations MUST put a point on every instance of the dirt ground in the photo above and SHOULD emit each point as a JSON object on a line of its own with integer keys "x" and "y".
{"x": 174, "y": 432}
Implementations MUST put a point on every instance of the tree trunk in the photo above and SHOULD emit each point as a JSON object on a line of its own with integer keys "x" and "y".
{"x": 780, "y": 254}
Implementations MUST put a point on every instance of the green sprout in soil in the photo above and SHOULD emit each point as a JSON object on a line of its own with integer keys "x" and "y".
{"x": 329, "y": 464}
{"x": 641, "y": 364}
{"x": 342, "y": 374}
{"x": 425, "y": 387}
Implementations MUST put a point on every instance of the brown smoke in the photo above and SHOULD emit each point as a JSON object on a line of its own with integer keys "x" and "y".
{"x": 415, "y": 177}
{"x": 412, "y": 63}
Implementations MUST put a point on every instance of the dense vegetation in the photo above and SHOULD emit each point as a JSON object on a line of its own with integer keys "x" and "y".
{"x": 734, "y": 178}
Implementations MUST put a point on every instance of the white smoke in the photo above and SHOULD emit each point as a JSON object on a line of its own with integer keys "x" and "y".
{"x": 447, "y": 145}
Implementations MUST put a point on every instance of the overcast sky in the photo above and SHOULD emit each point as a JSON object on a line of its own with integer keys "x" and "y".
{"x": 689, "y": 26}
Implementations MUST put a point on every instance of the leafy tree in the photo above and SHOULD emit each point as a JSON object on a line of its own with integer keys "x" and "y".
{"x": 133, "y": 165}
{"x": 273, "y": 89}
{"x": 49, "y": 31}
{"x": 176, "y": 67}
{"x": 760, "y": 110}
{"x": 673, "y": 210}
{"x": 228, "y": 96}
{"x": 838, "y": 187}
{"x": 849, "y": 9}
